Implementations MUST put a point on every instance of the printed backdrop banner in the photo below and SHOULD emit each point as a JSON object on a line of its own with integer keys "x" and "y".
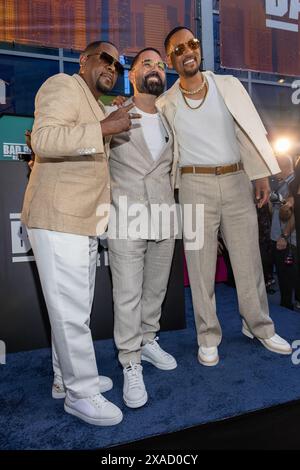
{"x": 72, "y": 24}
{"x": 24, "y": 323}
{"x": 261, "y": 35}
{"x": 12, "y": 136}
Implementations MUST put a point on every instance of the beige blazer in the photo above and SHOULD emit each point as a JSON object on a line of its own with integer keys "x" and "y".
{"x": 70, "y": 179}
{"x": 143, "y": 181}
{"x": 256, "y": 152}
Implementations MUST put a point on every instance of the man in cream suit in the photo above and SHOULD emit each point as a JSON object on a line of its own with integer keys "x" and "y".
{"x": 66, "y": 206}
{"x": 141, "y": 247}
{"x": 220, "y": 147}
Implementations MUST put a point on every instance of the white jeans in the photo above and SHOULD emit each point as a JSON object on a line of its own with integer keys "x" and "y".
{"x": 67, "y": 270}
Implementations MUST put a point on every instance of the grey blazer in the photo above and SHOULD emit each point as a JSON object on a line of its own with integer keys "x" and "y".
{"x": 144, "y": 186}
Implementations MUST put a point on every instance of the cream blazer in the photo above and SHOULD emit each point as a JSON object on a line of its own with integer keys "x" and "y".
{"x": 256, "y": 152}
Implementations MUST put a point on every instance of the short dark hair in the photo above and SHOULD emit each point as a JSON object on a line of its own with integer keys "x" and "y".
{"x": 90, "y": 48}
{"x": 136, "y": 58}
{"x": 174, "y": 31}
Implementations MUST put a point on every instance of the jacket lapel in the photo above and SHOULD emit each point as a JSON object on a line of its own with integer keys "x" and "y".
{"x": 96, "y": 106}
{"x": 140, "y": 141}
{"x": 166, "y": 146}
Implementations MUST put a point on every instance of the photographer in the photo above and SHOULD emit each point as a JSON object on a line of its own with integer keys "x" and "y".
{"x": 295, "y": 191}
{"x": 283, "y": 235}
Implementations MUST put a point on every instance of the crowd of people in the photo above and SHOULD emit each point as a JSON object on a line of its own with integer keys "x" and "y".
{"x": 280, "y": 233}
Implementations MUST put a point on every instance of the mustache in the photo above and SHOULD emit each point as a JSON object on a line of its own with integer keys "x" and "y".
{"x": 153, "y": 74}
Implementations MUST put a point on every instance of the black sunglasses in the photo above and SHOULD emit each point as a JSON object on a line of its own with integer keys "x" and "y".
{"x": 109, "y": 60}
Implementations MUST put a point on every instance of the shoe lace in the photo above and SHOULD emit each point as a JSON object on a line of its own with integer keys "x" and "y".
{"x": 133, "y": 374}
{"x": 98, "y": 400}
{"x": 154, "y": 344}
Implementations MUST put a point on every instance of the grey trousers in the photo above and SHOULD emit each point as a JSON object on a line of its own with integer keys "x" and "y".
{"x": 140, "y": 273}
{"x": 228, "y": 206}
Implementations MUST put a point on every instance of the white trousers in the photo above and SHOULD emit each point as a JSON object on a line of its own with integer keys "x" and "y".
{"x": 67, "y": 268}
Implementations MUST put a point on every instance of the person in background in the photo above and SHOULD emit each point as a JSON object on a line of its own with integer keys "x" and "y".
{"x": 295, "y": 192}
{"x": 283, "y": 235}
{"x": 265, "y": 245}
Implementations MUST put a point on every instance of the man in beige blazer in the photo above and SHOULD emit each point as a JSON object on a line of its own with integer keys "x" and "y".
{"x": 66, "y": 206}
{"x": 140, "y": 240}
{"x": 220, "y": 147}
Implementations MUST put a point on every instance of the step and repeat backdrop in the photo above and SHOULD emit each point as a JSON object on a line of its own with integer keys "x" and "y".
{"x": 23, "y": 321}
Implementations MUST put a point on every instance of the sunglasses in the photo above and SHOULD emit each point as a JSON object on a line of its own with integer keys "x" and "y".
{"x": 109, "y": 60}
{"x": 150, "y": 64}
{"x": 193, "y": 44}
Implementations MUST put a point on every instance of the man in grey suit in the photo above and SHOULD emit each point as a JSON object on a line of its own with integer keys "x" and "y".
{"x": 141, "y": 248}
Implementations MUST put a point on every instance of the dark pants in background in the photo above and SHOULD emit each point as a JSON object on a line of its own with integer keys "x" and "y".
{"x": 297, "y": 223}
{"x": 288, "y": 276}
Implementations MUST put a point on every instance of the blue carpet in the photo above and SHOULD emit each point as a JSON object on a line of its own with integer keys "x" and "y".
{"x": 247, "y": 378}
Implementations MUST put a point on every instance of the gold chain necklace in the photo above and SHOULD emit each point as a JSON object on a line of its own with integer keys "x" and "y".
{"x": 194, "y": 92}
{"x": 202, "y": 101}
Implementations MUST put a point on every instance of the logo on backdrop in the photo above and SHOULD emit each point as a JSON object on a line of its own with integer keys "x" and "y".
{"x": 20, "y": 244}
{"x": 21, "y": 248}
{"x": 11, "y": 151}
{"x": 287, "y": 14}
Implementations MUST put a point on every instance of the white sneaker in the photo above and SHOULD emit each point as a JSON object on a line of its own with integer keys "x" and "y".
{"x": 208, "y": 356}
{"x": 94, "y": 410}
{"x": 275, "y": 344}
{"x": 59, "y": 391}
{"x": 134, "y": 391}
{"x": 152, "y": 352}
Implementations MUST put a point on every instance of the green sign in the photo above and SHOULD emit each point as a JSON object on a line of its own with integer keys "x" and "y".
{"x": 12, "y": 133}
{"x": 12, "y": 136}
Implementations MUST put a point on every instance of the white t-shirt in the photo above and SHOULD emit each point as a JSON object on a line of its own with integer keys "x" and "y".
{"x": 154, "y": 132}
{"x": 206, "y": 136}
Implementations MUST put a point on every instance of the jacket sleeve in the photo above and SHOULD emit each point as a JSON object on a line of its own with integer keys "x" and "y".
{"x": 56, "y": 132}
{"x": 249, "y": 101}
